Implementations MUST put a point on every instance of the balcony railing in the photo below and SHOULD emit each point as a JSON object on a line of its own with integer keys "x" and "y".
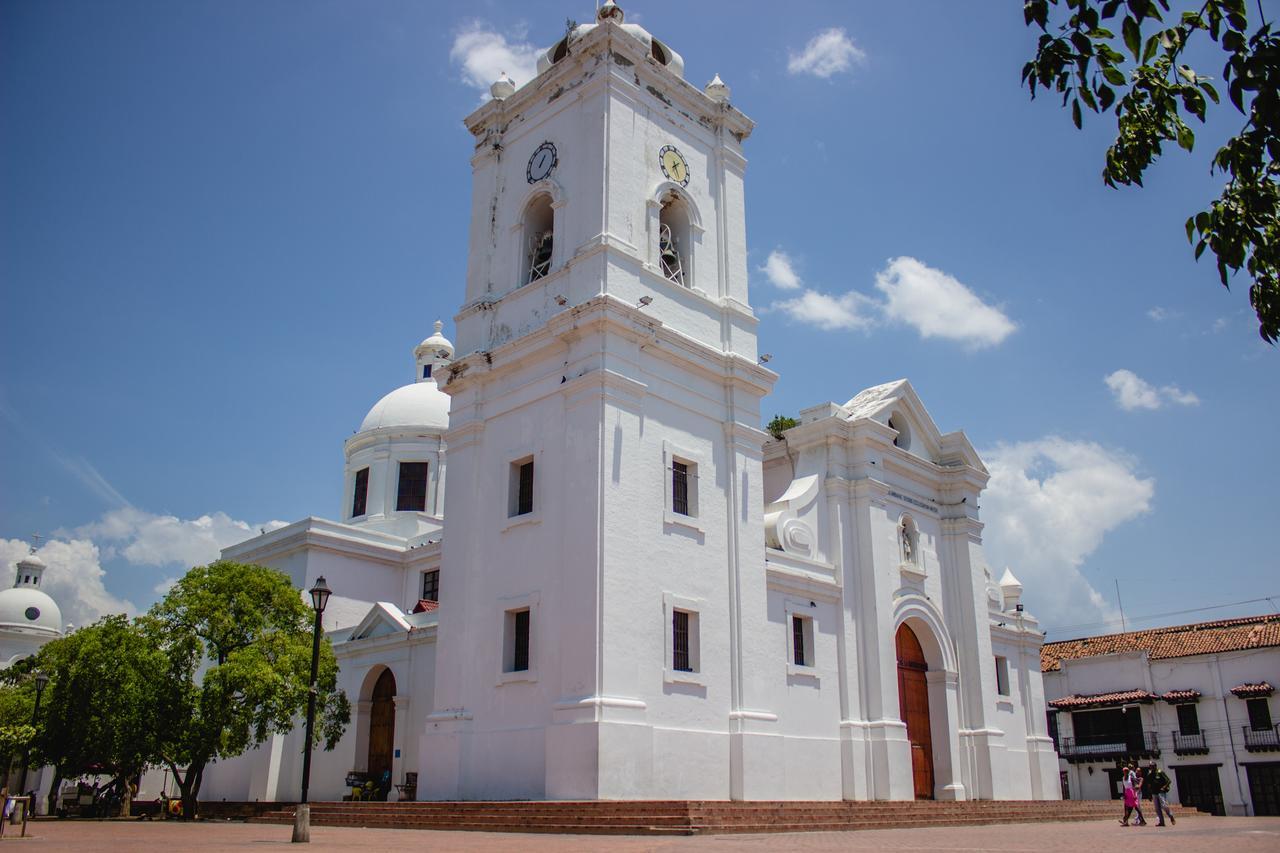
{"x": 1262, "y": 740}
{"x": 1136, "y": 745}
{"x": 1189, "y": 744}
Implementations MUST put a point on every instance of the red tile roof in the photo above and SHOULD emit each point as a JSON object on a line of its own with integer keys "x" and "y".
{"x": 1201, "y": 638}
{"x": 425, "y": 605}
{"x": 1103, "y": 700}
{"x": 1251, "y": 691}
{"x": 1181, "y": 695}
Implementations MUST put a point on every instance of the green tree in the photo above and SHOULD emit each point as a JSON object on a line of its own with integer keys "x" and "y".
{"x": 237, "y": 639}
{"x": 1153, "y": 92}
{"x": 99, "y": 711}
{"x": 780, "y": 424}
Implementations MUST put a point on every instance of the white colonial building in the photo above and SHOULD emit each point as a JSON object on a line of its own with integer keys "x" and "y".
{"x": 1196, "y": 698}
{"x": 638, "y": 593}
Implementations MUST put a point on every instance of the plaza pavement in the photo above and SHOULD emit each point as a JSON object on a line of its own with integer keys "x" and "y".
{"x": 1235, "y": 834}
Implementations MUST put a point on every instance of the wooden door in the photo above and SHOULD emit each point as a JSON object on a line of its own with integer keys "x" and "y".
{"x": 1264, "y": 788}
{"x": 913, "y": 702}
{"x": 1200, "y": 787}
{"x": 382, "y": 725}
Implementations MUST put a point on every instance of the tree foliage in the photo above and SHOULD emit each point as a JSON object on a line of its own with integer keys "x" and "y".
{"x": 237, "y": 642}
{"x": 780, "y": 424}
{"x": 99, "y": 711}
{"x": 1142, "y": 76}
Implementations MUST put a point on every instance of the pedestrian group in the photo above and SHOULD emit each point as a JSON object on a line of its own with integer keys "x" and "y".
{"x": 1152, "y": 781}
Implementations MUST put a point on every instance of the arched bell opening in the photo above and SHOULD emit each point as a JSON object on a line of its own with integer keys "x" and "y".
{"x": 674, "y": 239}
{"x": 538, "y": 238}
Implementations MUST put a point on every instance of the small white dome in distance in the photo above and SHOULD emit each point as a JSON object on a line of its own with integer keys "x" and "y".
{"x": 717, "y": 90}
{"x": 421, "y": 404}
{"x": 502, "y": 88}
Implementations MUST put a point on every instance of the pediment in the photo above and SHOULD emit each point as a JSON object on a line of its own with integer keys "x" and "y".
{"x": 383, "y": 620}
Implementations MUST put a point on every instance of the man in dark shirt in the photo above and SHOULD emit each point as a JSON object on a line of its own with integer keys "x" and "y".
{"x": 1158, "y": 784}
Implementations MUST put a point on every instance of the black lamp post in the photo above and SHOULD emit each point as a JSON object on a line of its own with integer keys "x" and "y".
{"x": 41, "y": 680}
{"x": 302, "y": 819}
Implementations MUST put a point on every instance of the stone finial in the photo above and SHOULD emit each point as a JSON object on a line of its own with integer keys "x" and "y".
{"x": 717, "y": 90}
{"x": 502, "y": 88}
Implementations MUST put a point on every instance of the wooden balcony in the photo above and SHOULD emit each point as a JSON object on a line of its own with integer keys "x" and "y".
{"x": 1262, "y": 740}
{"x": 1189, "y": 744}
{"x": 1133, "y": 745}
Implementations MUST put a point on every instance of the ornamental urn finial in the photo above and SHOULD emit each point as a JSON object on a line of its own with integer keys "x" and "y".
{"x": 502, "y": 88}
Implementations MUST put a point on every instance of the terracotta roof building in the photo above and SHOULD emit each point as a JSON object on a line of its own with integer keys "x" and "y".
{"x": 1196, "y": 698}
{"x": 1201, "y": 638}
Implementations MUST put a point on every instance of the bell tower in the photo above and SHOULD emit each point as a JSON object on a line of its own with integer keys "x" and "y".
{"x": 604, "y": 451}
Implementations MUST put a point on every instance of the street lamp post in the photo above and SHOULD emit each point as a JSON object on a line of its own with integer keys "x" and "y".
{"x": 41, "y": 680}
{"x": 302, "y": 819}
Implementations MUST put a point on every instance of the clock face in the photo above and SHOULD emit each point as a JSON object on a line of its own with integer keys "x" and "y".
{"x": 542, "y": 163}
{"x": 674, "y": 165}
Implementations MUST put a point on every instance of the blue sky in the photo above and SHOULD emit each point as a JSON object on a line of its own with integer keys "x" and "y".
{"x": 223, "y": 227}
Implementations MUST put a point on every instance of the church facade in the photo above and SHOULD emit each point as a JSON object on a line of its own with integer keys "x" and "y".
{"x": 636, "y": 592}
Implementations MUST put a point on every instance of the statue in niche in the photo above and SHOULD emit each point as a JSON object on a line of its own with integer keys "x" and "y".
{"x": 908, "y": 556}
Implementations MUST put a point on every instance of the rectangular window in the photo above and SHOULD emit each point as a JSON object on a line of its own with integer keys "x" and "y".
{"x": 680, "y": 487}
{"x": 1051, "y": 717}
{"x": 360, "y": 499}
{"x": 800, "y": 652}
{"x": 680, "y": 659}
{"x": 516, "y": 651}
{"x": 1002, "y": 676}
{"x": 431, "y": 585}
{"x": 426, "y": 371}
{"x": 1188, "y": 720}
{"x": 412, "y": 493}
{"x": 1259, "y": 714}
{"x": 520, "y": 490}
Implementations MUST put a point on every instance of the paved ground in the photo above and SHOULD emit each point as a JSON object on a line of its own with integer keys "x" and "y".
{"x": 1219, "y": 834}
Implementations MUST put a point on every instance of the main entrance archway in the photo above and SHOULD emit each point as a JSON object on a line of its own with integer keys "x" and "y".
{"x": 382, "y": 725}
{"x": 913, "y": 701}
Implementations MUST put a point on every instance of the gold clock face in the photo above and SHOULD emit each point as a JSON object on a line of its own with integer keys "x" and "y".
{"x": 674, "y": 165}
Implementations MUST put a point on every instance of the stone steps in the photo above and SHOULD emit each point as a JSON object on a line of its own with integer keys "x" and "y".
{"x": 679, "y": 817}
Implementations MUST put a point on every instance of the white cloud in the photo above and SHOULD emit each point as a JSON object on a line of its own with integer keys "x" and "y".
{"x": 938, "y": 306}
{"x": 1132, "y": 392}
{"x": 483, "y": 54}
{"x": 147, "y": 539}
{"x": 1047, "y": 508}
{"x": 829, "y": 52}
{"x": 826, "y": 312}
{"x": 1160, "y": 314}
{"x": 780, "y": 270}
{"x": 74, "y": 578}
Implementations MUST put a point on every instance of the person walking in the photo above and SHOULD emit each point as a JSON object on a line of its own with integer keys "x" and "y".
{"x": 1137, "y": 793}
{"x": 1158, "y": 783}
{"x": 1129, "y": 795}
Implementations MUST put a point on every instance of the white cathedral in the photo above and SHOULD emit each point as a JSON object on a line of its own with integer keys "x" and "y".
{"x": 637, "y": 592}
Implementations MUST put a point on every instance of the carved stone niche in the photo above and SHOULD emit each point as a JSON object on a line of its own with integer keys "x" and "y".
{"x": 785, "y": 528}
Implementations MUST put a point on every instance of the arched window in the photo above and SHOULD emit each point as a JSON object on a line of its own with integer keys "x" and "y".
{"x": 903, "y": 438}
{"x": 539, "y": 228}
{"x": 673, "y": 238}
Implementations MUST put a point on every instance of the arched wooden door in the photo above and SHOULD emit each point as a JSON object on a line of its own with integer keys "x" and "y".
{"x": 913, "y": 700}
{"x": 382, "y": 725}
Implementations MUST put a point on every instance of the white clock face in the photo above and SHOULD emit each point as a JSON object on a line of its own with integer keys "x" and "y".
{"x": 542, "y": 163}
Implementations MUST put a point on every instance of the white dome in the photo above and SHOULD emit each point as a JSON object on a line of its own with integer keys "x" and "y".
{"x": 28, "y": 607}
{"x": 421, "y": 404}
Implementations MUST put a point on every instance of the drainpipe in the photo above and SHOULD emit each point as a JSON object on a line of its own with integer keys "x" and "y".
{"x": 1231, "y": 737}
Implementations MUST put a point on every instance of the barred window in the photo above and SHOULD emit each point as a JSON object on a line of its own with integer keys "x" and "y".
{"x": 411, "y": 495}
{"x": 680, "y": 660}
{"x": 797, "y": 641}
{"x": 431, "y": 585}
{"x": 520, "y": 641}
{"x": 680, "y": 488}
{"x": 360, "y": 498}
